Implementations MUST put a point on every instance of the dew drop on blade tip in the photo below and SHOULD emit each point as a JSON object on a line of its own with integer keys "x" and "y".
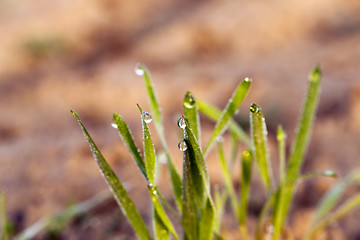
{"x": 182, "y": 145}
{"x": 114, "y": 125}
{"x": 189, "y": 101}
{"x": 181, "y": 122}
{"x": 248, "y": 79}
{"x": 254, "y": 108}
{"x": 147, "y": 117}
{"x": 138, "y": 70}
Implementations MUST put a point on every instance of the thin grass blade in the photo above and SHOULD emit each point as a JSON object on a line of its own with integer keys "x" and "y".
{"x": 281, "y": 137}
{"x": 121, "y": 196}
{"x": 260, "y": 145}
{"x": 246, "y": 165}
{"x": 161, "y": 231}
{"x": 298, "y": 149}
{"x": 214, "y": 114}
{"x": 219, "y": 200}
{"x": 130, "y": 143}
{"x": 191, "y": 111}
{"x": 229, "y": 111}
{"x": 207, "y": 221}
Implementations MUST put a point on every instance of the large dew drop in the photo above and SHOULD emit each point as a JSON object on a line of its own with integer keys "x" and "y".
{"x": 138, "y": 70}
{"x": 147, "y": 117}
{"x": 181, "y": 122}
{"x": 189, "y": 100}
{"x": 182, "y": 145}
{"x": 114, "y": 125}
{"x": 248, "y": 79}
{"x": 254, "y": 108}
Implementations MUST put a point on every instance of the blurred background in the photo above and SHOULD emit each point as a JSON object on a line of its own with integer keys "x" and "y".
{"x": 56, "y": 56}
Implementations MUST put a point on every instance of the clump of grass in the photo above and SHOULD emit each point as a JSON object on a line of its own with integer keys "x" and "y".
{"x": 197, "y": 211}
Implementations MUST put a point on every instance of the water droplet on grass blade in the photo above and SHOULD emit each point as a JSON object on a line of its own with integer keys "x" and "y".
{"x": 114, "y": 125}
{"x": 138, "y": 70}
{"x": 181, "y": 122}
{"x": 182, "y": 145}
{"x": 330, "y": 173}
{"x": 189, "y": 100}
{"x": 248, "y": 79}
{"x": 147, "y": 117}
{"x": 220, "y": 139}
{"x": 254, "y": 108}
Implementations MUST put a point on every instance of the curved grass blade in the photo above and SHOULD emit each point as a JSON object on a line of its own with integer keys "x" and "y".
{"x": 260, "y": 146}
{"x": 214, "y": 114}
{"x": 229, "y": 111}
{"x": 156, "y": 113}
{"x": 149, "y": 150}
{"x": 227, "y": 178}
{"x": 121, "y": 196}
{"x": 191, "y": 111}
{"x": 130, "y": 143}
{"x": 298, "y": 149}
{"x": 246, "y": 165}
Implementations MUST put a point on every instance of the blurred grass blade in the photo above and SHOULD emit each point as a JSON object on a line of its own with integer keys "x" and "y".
{"x": 220, "y": 200}
{"x": 246, "y": 165}
{"x": 215, "y": 114}
{"x": 298, "y": 149}
{"x": 229, "y": 111}
{"x": 281, "y": 137}
{"x": 5, "y": 226}
{"x": 130, "y": 143}
{"x": 263, "y": 214}
{"x": 260, "y": 145}
{"x": 207, "y": 221}
{"x": 191, "y": 111}
{"x": 141, "y": 69}
{"x": 149, "y": 150}
{"x": 160, "y": 212}
{"x": 161, "y": 231}
{"x": 227, "y": 178}
{"x": 121, "y": 196}
{"x": 344, "y": 209}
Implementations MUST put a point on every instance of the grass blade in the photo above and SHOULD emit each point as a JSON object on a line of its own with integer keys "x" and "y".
{"x": 298, "y": 150}
{"x": 229, "y": 111}
{"x": 161, "y": 231}
{"x": 220, "y": 200}
{"x": 130, "y": 143}
{"x": 260, "y": 146}
{"x": 149, "y": 150}
{"x": 121, "y": 196}
{"x": 141, "y": 69}
{"x": 214, "y": 114}
{"x": 5, "y": 225}
{"x": 207, "y": 220}
{"x": 281, "y": 137}
{"x": 191, "y": 111}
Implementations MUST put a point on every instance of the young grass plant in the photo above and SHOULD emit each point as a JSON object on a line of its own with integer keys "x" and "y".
{"x": 198, "y": 214}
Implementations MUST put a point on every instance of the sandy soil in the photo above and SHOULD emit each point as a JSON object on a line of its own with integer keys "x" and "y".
{"x": 56, "y": 57}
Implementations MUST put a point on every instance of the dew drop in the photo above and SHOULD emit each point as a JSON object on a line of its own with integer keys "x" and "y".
{"x": 330, "y": 173}
{"x": 114, "y": 125}
{"x": 248, "y": 79}
{"x": 182, "y": 145}
{"x": 138, "y": 70}
{"x": 220, "y": 139}
{"x": 147, "y": 117}
{"x": 189, "y": 100}
{"x": 181, "y": 122}
{"x": 254, "y": 108}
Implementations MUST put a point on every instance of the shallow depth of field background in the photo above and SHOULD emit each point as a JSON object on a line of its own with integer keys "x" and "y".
{"x": 60, "y": 55}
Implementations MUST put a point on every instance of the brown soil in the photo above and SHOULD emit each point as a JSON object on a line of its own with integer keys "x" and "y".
{"x": 55, "y": 57}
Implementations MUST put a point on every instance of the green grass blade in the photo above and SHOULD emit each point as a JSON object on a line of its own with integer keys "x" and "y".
{"x": 161, "y": 231}
{"x": 149, "y": 150}
{"x": 220, "y": 200}
{"x": 207, "y": 221}
{"x": 160, "y": 212}
{"x": 260, "y": 145}
{"x": 229, "y": 111}
{"x": 191, "y": 111}
{"x": 298, "y": 149}
{"x": 130, "y": 143}
{"x": 214, "y": 114}
{"x": 281, "y": 137}
{"x": 176, "y": 182}
{"x": 227, "y": 178}
{"x": 246, "y": 165}
{"x": 121, "y": 196}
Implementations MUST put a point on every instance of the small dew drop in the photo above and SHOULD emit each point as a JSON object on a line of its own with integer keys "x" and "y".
{"x": 248, "y": 79}
{"x": 182, "y": 145}
{"x": 181, "y": 122}
{"x": 330, "y": 173}
{"x": 220, "y": 139}
{"x": 254, "y": 108}
{"x": 138, "y": 70}
{"x": 114, "y": 125}
{"x": 189, "y": 101}
{"x": 147, "y": 117}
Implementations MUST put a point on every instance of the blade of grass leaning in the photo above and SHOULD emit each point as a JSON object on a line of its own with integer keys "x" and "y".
{"x": 229, "y": 111}
{"x": 214, "y": 114}
{"x": 227, "y": 179}
{"x": 160, "y": 230}
{"x": 149, "y": 150}
{"x": 130, "y": 143}
{"x": 207, "y": 220}
{"x": 246, "y": 165}
{"x": 121, "y": 196}
{"x": 142, "y": 70}
{"x": 281, "y": 137}
{"x": 298, "y": 150}
{"x": 191, "y": 111}
{"x": 219, "y": 201}
{"x": 344, "y": 209}
{"x": 260, "y": 145}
